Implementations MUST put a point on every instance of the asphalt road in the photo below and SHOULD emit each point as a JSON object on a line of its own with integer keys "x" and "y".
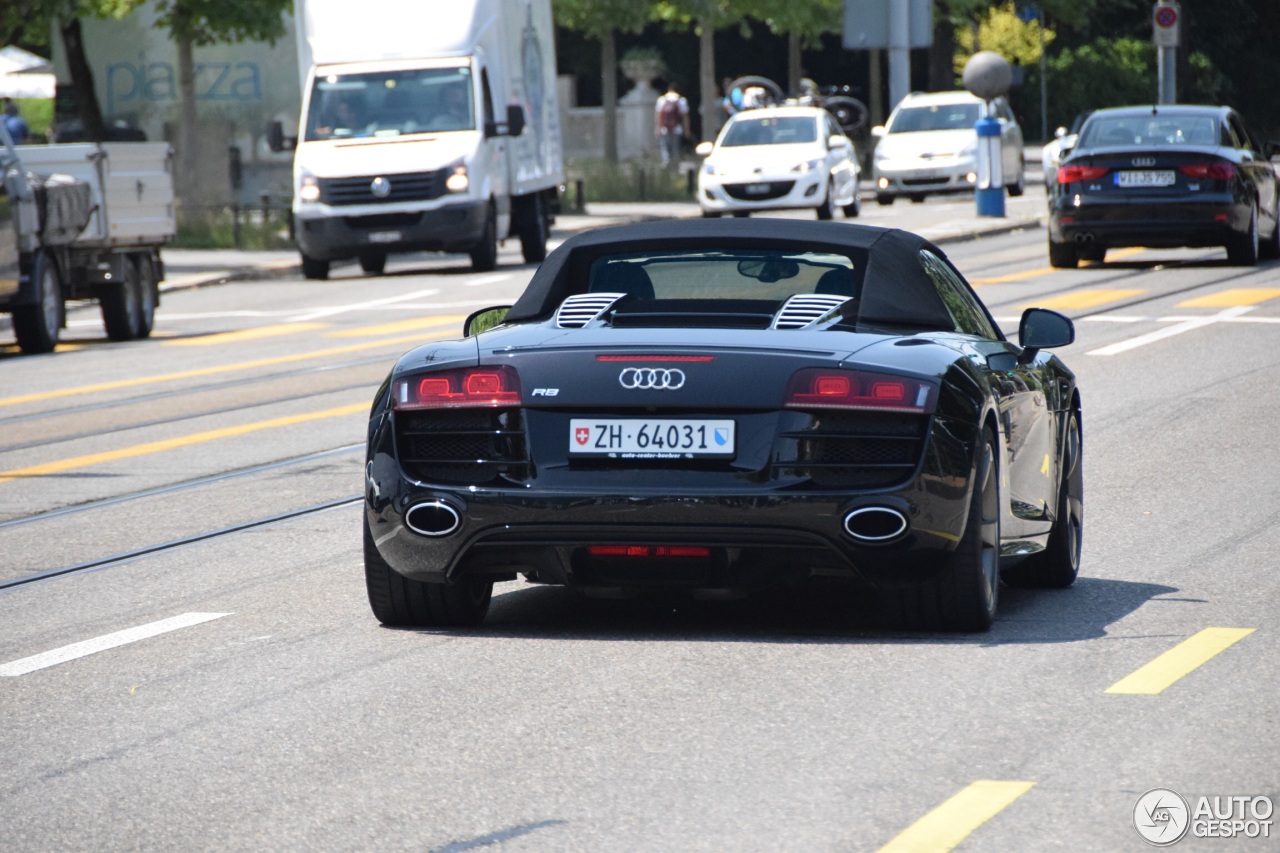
{"x": 208, "y": 675}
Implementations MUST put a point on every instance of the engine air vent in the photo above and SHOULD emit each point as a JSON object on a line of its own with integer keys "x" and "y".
{"x": 577, "y": 311}
{"x": 805, "y": 309}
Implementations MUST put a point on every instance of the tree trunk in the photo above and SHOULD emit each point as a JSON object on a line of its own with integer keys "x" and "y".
{"x": 609, "y": 92}
{"x": 82, "y": 88}
{"x": 186, "y": 179}
{"x": 709, "y": 105}
{"x": 795, "y": 67}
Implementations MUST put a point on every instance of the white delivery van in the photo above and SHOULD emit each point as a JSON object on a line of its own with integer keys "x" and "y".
{"x": 425, "y": 126}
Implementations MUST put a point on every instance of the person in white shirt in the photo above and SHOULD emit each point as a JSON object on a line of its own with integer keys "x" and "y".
{"x": 671, "y": 124}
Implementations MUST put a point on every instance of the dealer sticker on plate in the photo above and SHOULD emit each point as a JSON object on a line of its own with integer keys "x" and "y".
{"x": 655, "y": 438}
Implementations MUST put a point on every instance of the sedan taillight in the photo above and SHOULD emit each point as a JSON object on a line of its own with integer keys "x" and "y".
{"x": 487, "y": 387}
{"x": 1073, "y": 173}
{"x": 819, "y": 388}
{"x": 1208, "y": 171}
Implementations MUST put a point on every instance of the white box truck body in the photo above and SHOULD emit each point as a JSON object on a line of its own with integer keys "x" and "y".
{"x": 425, "y": 126}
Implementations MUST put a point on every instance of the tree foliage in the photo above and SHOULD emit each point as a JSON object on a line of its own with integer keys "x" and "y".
{"x": 1001, "y": 31}
{"x": 212, "y": 21}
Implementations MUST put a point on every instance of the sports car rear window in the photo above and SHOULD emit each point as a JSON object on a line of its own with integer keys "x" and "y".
{"x": 725, "y": 274}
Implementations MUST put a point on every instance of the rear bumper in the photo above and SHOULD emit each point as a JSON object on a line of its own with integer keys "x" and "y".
{"x": 454, "y": 228}
{"x": 1199, "y": 224}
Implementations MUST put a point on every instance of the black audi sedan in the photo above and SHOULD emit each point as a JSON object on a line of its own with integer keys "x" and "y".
{"x": 1165, "y": 176}
{"x": 728, "y": 406}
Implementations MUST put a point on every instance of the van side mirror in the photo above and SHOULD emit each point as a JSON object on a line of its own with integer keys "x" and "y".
{"x": 515, "y": 120}
{"x": 275, "y": 136}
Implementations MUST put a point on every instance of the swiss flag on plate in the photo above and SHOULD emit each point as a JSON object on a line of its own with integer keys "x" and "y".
{"x": 581, "y": 434}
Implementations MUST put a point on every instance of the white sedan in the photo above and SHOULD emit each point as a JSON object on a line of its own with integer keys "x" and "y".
{"x": 779, "y": 158}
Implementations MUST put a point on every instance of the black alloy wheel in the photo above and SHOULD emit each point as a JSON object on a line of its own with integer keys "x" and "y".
{"x": 397, "y": 601}
{"x": 1057, "y": 566}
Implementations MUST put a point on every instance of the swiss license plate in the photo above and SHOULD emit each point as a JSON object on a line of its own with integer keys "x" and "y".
{"x": 1146, "y": 178}
{"x": 651, "y": 438}
{"x": 384, "y": 237}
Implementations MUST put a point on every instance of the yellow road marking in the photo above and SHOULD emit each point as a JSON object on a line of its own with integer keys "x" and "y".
{"x": 246, "y": 335}
{"x": 1233, "y": 297}
{"x": 1179, "y": 661}
{"x": 210, "y": 371}
{"x": 1013, "y": 276}
{"x": 396, "y": 328}
{"x": 180, "y": 441}
{"x": 1082, "y": 299}
{"x": 956, "y": 819}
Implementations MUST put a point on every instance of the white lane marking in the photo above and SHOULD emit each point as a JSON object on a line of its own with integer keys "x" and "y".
{"x": 342, "y": 309}
{"x": 107, "y": 641}
{"x": 489, "y": 279}
{"x": 1170, "y": 331}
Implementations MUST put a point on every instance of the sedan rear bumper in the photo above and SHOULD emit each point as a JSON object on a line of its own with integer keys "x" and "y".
{"x": 1198, "y": 224}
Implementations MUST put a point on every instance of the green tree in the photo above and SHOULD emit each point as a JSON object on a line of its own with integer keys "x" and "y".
{"x": 803, "y": 22}
{"x": 603, "y": 20}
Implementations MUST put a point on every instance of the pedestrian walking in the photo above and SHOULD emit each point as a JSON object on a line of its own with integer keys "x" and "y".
{"x": 671, "y": 124}
{"x": 15, "y": 124}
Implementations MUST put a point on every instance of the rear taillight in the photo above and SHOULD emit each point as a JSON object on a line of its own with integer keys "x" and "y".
{"x": 819, "y": 388}
{"x": 648, "y": 551}
{"x": 461, "y": 388}
{"x": 1208, "y": 171}
{"x": 1071, "y": 174}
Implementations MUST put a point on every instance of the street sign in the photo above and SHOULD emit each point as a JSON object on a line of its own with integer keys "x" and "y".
{"x": 866, "y": 24}
{"x": 1165, "y": 19}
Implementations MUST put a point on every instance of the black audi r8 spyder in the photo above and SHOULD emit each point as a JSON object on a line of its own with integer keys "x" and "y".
{"x": 1161, "y": 177}
{"x": 729, "y": 406}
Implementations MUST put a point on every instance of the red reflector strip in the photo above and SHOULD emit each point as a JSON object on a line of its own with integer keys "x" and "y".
{"x": 648, "y": 551}
{"x": 680, "y": 358}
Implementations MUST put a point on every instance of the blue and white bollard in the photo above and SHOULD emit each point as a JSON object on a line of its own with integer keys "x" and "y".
{"x": 989, "y": 193}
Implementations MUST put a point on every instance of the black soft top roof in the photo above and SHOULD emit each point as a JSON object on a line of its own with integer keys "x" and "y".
{"x": 895, "y": 288}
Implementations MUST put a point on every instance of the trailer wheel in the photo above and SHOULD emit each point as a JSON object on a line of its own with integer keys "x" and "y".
{"x": 121, "y": 306}
{"x": 148, "y": 295}
{"x": 36, "y": 326}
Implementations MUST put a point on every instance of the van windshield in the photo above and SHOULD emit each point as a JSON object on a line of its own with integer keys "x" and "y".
{"x": 391, "y": 103}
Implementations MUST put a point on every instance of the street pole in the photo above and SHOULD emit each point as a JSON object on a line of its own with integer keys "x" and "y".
{"x": 899, "y": 51}
{"x": 1165, "y": 26}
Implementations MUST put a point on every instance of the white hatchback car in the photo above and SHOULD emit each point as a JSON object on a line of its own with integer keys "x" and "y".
{"x": 779, "y": 158}
{"x": 929, "y": 145}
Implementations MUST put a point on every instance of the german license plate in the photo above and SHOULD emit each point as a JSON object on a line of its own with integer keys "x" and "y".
{"x": 384, "y": 236}
{"x": 1146, "y": 178}
{"x": 651, "y": 438}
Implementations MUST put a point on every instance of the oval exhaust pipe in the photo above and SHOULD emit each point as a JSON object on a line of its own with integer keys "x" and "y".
{"x": 433, "y": 518}
{"x": 875, "y": 524}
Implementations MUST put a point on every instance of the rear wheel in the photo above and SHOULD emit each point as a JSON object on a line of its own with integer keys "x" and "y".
{"x": 398, "y": 601}
{"x": 122, "y": 306}
{"x": 1058, "y": 564}
{"x": 314, "y": 268}
{"x": 533, "y": 230}
{"x": 1242, "y": 251}
{"x": 1063, "y": 255}
{"x": 1270, "y": 248}
{"x": 484, "y": 255}
{"x": 825, "y": 210}
{"x": 36, "y": 326}
{"x": 373, "y": 264}
{"x": 965, "y": 596}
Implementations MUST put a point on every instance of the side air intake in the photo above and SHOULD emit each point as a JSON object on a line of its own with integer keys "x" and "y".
{"x": 806, "y": 309}
{"x": 577, "y": 311}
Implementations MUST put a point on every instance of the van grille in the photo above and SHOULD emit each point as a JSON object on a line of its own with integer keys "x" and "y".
{"x": 417, "y": 186}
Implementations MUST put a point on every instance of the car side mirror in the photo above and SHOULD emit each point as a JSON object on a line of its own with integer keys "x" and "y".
{"x": 275, "y": 136}
{"x": 1041, "y": 328}
{"x": 837, "y": 141}
{"x": 703, "y": 149}
{"x": 515, "y": 120}
{"x": 484, "y": 319}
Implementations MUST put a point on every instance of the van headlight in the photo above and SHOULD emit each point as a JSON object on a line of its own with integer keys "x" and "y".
{"x": 308, "y": 188}
{"x": 457, "y": 181}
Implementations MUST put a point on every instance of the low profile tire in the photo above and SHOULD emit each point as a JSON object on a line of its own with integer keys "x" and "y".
{"x": 534, "y": 230}
{"x": 484, "y": 255}
{"x": 400, "y": 602}
{"x": 826, "y": 210}
{"x": 1242, "y": 251}
{"x": 964, "y": 597}
{"x": 315, "y": 269}
{"x": 373, "y": 264}
{"x": 1058, "y": 564}
{"x": 37, "y": 326}
{"x": 122, "y": 306}
{"x": 884, "y": 200}
{"x": 1063, "y": 256}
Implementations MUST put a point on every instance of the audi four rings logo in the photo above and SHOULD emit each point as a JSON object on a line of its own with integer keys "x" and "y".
{"x": 1144, "y": 161}
{"x": 648, "y": 377}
